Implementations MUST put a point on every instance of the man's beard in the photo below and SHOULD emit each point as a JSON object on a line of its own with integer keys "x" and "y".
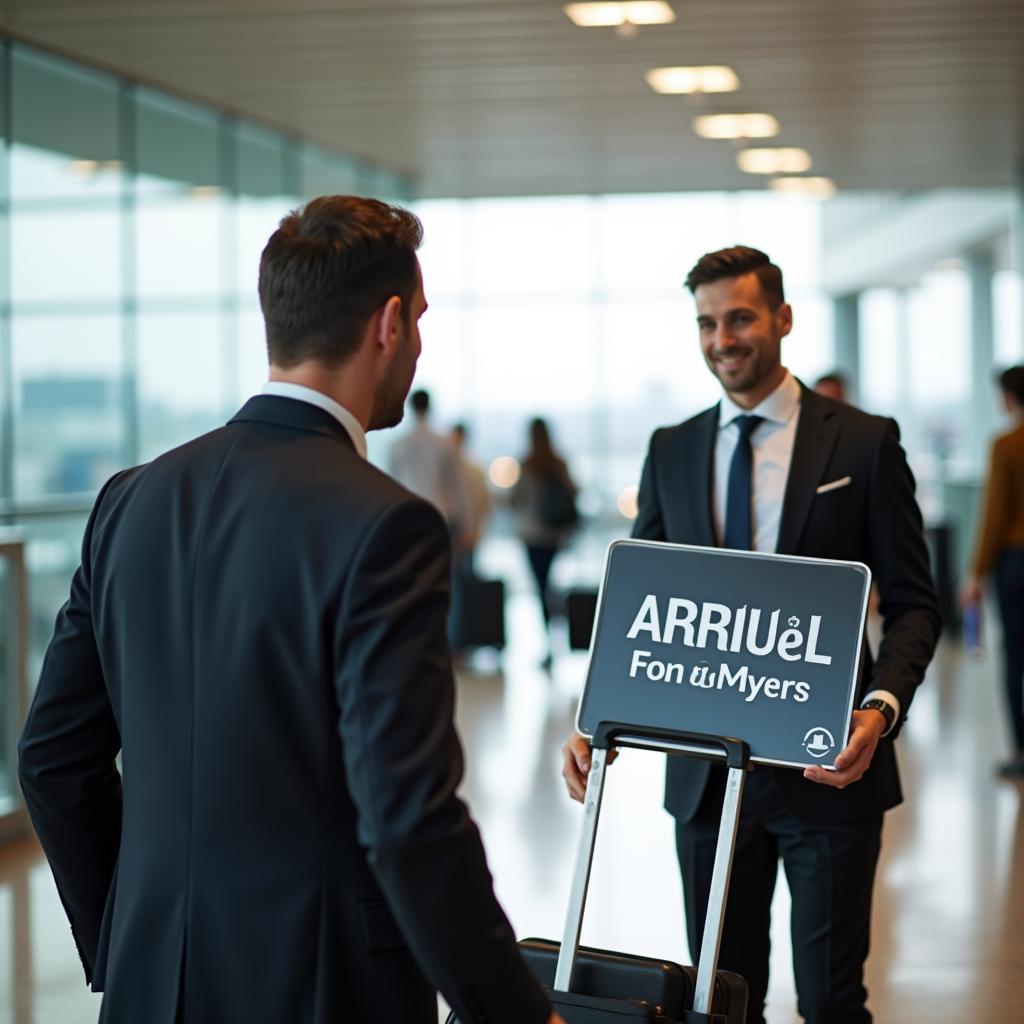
{"x": 389, "y": 400}
{"x": 751, "y": 377}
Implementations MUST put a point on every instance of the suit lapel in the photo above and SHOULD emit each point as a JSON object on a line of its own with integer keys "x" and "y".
{"x": 692, "y": 477}
{"x": 816, "y": 435}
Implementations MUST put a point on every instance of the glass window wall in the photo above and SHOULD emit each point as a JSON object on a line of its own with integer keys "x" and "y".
{"x": 131, "y": 225}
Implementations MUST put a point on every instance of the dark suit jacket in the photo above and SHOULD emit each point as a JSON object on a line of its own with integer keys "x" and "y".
{"x": 258, "y": 624}
{"x": 875, "y": 520}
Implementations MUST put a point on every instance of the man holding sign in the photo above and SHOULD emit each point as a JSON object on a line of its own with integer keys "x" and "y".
{"x": 775, "y": 468}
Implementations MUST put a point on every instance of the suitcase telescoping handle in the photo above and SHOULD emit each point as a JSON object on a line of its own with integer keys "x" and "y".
{"x": 736, "y": 755}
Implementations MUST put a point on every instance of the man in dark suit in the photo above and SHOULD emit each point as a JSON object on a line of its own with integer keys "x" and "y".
{"x": 258, "y": 626}
{"x": 776, "y": 468}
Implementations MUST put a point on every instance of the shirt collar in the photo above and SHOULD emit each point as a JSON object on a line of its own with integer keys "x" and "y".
{"x": 354, "y": 429}
{"x": 778, "y": 407}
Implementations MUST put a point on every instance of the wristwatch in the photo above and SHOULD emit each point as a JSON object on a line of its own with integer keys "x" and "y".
{"x": 888, "y": 712}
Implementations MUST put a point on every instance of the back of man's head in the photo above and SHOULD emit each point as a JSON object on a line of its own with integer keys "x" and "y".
{"x": 1012, "y": 382}
{"x": 329, "y": 266}
{"x": 736, "y": 261}
{"x": 832, "y": 385}
{"x": 419, "y": 402}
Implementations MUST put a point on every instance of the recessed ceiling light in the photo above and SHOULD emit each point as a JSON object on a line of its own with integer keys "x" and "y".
{"x": 675, "y": 81}
{"x": 736, "y": 126}
{"x": 774, "y": 161}
{"x": 83, "y": 168}
{"x": 815, "y": 188}
{"x": 602, "y": 15}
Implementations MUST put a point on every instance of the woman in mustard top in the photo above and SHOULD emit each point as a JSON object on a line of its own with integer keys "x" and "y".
{"x": 1000, "y": 550}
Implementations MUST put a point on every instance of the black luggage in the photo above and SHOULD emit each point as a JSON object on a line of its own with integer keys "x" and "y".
{"x": 478, "y": 613}
{"x": 662, "y": 989}
{"x": 591, "y": 986}
{"x": 580, "y": 610}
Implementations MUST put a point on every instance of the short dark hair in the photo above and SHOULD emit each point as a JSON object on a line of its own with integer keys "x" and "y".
{"x": 833, "y": 377}
{"x": 420, "y": 401}
{"x": 327, "y": 268}
{"x": 734, "y": 262}
{"x": 1012, "y": 381}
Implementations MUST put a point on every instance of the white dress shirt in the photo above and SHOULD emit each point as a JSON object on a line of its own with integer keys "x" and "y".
{"x": 426, "y": 462}
{"x": 772, "y": 444}
{"x": 283, "y": 389}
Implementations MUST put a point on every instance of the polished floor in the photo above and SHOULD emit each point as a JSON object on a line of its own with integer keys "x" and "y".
{"x": 948, "y": 941}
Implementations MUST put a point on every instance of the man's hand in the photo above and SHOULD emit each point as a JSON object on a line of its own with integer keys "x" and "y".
{"x": 854, "y": 760}
{"x": 576, "y": 765}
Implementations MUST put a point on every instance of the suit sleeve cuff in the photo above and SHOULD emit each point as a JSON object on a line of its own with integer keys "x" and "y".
{"x": 891, "y": 699}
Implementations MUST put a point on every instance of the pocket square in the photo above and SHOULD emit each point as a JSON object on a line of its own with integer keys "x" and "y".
{"x": 835, "y": 485}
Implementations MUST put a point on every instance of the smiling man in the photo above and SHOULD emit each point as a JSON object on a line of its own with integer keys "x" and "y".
{"x": 774, "y": 467}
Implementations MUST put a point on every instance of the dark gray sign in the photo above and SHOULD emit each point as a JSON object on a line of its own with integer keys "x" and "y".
{"x": 765, "y": 648}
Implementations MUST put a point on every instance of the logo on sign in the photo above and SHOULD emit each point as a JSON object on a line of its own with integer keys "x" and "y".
{"x": 818, "y": 741}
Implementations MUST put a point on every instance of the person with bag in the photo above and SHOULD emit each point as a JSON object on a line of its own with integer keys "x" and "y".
{"x": 1000, "y": 554}
{"x": 546, "y": 513}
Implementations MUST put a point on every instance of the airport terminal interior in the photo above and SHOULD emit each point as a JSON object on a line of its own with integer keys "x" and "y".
{"x": 569, "y": 167}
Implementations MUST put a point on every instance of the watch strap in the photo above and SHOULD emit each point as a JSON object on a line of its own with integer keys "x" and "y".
{"x": 887, "y": 710}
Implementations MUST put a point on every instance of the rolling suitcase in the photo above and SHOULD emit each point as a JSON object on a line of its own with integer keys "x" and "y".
{"x": 592, "y": 986}
{"x": 580, "y": 609}
{"x": 478, "y": 613}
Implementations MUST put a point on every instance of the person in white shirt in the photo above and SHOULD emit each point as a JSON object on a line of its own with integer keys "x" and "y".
{"x": 426, "y": 462}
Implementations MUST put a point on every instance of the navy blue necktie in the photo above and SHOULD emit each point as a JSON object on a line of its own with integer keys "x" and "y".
{"x": 738, "y": 529}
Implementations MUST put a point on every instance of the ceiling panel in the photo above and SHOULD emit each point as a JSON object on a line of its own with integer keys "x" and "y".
{"x": 508, "y": 97}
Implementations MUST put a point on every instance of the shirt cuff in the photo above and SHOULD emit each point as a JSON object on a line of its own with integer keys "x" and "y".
{"x": 890, "y": 699}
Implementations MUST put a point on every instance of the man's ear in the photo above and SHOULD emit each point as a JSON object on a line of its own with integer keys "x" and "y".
{"x": 389, "y": 325}
{"x": 784, "y": 319}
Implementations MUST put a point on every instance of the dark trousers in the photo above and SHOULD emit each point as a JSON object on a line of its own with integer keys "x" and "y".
{"x": 830, "y": 870}
{"x": 1010, "y": 594}
{"x": 540, "y": 558}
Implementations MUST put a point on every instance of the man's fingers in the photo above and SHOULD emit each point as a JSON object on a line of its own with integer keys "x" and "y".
{"x": 575, "y": 766}
{"x": 574, "y": 782}
{"x": 576, "y": 761}
{"x": 853, "y": 750}
{"x": 854, "y": 765}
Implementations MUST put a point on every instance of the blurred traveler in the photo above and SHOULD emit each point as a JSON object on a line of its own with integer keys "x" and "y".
{"x": 833, "y": 385}
{"x": 258, "y": 623}
{"x": 774, "y": 467}
{"x": 426, "y": 462}
{"x": 1000, "y": 551}
{"x": 474, "y": 482}
{"x": 545, "y": 503}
